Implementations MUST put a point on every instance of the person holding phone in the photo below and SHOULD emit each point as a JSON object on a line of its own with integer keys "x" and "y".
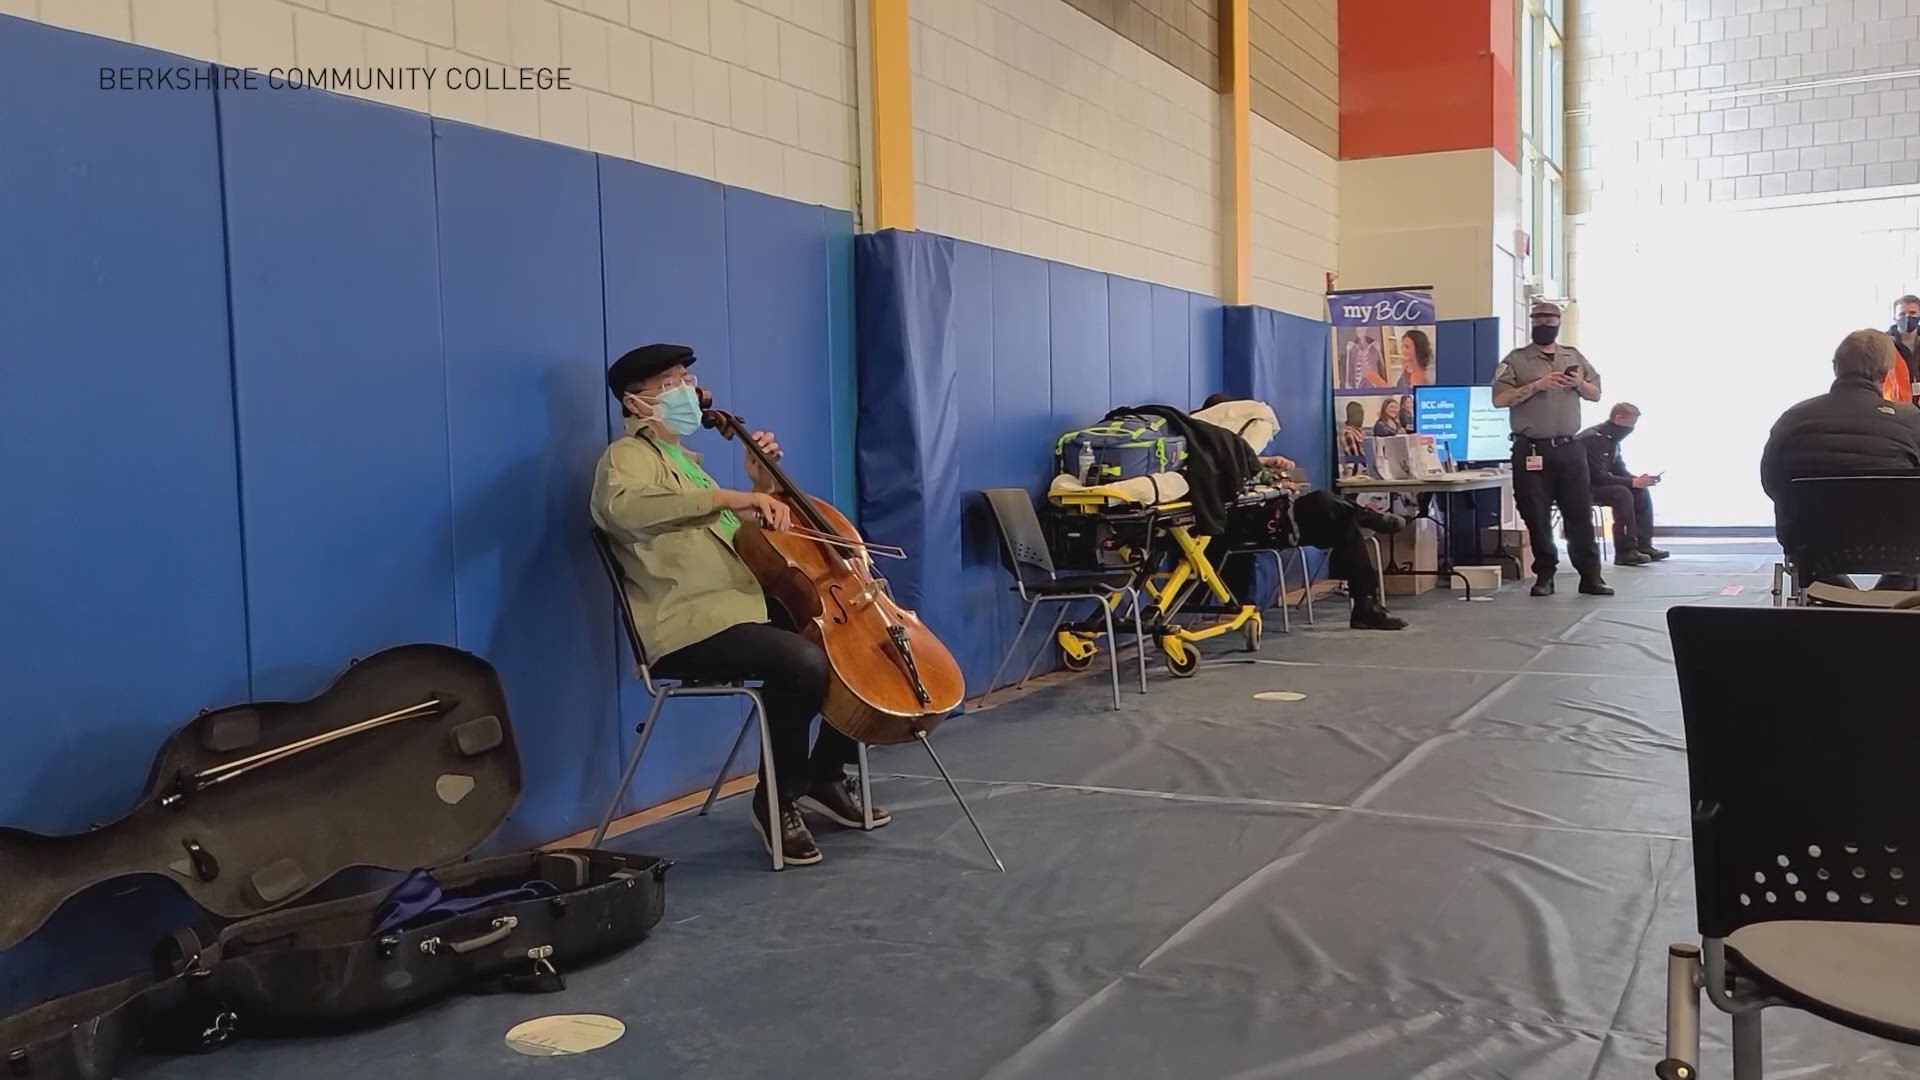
{"x": 1541, "y": 386}
{"x": 1627, "y": 494}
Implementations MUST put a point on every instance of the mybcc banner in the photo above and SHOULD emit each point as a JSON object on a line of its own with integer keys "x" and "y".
{"x": 1382, "y": 349}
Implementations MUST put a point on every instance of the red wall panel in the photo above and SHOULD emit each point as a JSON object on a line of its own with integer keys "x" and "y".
{"x": 1422, "y": 76}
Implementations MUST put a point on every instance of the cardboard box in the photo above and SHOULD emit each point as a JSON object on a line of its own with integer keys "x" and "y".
{"x": 1416, "y": 547}
{"x": 1513, "y": 549}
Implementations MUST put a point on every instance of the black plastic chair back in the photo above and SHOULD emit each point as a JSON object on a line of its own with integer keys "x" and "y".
{"x": 1802, "y": 753}
{"x": 1023, "y": 543}
{"x": 1860, "y": 525}
{"x": 603, "y": 547}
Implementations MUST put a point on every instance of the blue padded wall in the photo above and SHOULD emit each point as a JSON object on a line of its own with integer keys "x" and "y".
{"x": 340, "y": 384}
{"x": 312, "y": 376}
{"x": 122, "y": 605}
{"x": 1038, "y": 348}
{"x": 527, "y": 405}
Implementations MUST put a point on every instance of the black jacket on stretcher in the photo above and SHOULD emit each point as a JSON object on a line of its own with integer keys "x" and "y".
{"x": 1219, "y": 464}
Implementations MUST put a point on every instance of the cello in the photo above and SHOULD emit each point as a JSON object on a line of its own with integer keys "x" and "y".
{"x": 892, "y": 680}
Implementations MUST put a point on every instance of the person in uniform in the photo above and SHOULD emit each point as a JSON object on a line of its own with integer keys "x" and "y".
{"x": 1620, "y": 490}
{"x": 699, "y": 610}
{"x": 1541, "y": 385}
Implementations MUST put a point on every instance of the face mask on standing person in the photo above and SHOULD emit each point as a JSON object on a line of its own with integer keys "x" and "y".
{"x": 1908, "y": 323}
{"x": 1544, "y": 335}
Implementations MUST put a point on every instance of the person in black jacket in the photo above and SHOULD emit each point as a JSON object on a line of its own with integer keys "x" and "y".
{"x": 1626, "y": 494}
{"x": 1326, "y": 521}
{"x": 1848, "y": 431}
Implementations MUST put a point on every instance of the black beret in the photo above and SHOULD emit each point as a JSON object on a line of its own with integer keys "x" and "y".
{"x": 643, "y": 363}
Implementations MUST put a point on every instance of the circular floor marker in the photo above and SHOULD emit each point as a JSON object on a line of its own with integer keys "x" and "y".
{"x": 550, "y": 1036}
{"x": 1279, "y": 695}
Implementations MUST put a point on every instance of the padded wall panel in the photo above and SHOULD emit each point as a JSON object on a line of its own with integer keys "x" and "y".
{"x": 1022, "y": 371}
{"x": 1206, "y": 374}
{"x": 339, "y": 379}
{"x": 1130, "y": 341}
{"x": 1077, "y": 317}
{"x": 122, "y": 610}
{"x": 1172, "y": 345}
{"x": 840, "y": 358}
{"x": 121, "y": 605}
{"x": 778, "y": 331}
{"x": 1455, "y": 346}
{"x": 527, "y": 404}
{"x": 973, "y": 614}
{"x": 663, "y": 256}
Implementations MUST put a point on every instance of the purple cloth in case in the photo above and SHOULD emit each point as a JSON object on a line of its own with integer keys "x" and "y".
{"x": 419, "y": 899}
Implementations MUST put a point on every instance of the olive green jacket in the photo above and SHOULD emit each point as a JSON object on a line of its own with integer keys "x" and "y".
{"x": 683, "y": 581}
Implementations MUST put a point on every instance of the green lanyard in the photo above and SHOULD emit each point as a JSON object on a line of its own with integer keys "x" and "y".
{"x": 728, "y": 523}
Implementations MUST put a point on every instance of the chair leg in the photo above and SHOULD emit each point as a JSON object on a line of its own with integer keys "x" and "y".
{"x": 645, "y": 732}
{"x": 721, "y": 777}
{"x": 1306, "y": 585}
{"x": 1012, "y": 647}
{"x": 957, "y": 797}
{"x": 1280, "y": 564}
{"x": 1139, "y": 638}
{"x": 1113, "y": 643}
{"x": 1747, "y": 1058}
{"x": 757, "y": 711}
{"x": 866, "y": 789}
{"x": 1060, "y": 616}
{"x": 1683, "y": 1013}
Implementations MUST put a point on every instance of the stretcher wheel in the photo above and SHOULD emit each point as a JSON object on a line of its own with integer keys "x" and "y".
{"x": 1251, "y": 632}
{"x": 1076, "y": 663}
{"x": 1076, "y": 651}
{"x": 1182, "y": 659}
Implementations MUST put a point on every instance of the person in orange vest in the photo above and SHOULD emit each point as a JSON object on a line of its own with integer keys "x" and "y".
{"x": 1900, "y": 384}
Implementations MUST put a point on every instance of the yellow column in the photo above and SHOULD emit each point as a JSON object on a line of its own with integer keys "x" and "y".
{"x": 891, "y": 114}
{"x": 1238, "y": 228}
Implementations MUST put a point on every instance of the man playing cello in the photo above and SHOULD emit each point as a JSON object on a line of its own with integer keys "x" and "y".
{"x": 699, "y": 610}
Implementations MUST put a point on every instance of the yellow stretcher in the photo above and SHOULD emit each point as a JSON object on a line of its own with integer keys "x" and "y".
{"x": 1172, "y": 565}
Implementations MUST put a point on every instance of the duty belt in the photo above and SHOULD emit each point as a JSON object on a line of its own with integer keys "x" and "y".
{"x": 1535, "y": 442}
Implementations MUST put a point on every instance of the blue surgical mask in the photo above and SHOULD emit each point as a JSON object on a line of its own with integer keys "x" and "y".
{"x": 678, "y": 410}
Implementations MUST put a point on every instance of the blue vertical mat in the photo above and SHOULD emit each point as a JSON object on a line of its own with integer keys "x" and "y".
{"x": 840, "y": 356}
{"x": 1077, "y": 313}
{"x": 526, "y": 404}
{"x": 1454, "y": 349}
{"x": 1172, "y": 345}
{"x": 1129, "y": 342}
{"x": 122, "y": 610}
{"x": 975, "y": 611}
{"x": 663, "y": 253}
{"x": 1022, "y": 371}
{"x": 778, "y": 331}
{"x": 340, "y": 382}
{"x": 1205, "y": 370}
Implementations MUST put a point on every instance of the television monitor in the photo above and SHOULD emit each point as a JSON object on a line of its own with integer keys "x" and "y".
{"x": 1463, "y": 422}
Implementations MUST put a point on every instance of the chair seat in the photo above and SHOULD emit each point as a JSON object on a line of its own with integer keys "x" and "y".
{"x": 1885, "y": 599}
{"x": 1104, "y": 581}
{"x": 1865, "y": 976}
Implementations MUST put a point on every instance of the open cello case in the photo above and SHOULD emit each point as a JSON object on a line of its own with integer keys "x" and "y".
{"x": 406, "y": 763}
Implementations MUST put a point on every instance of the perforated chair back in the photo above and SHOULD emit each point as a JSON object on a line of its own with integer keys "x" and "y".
{"x": 1862, "y": 525}
{"x": 1802, "y": 756}
{"x": 1023, "y": 543}
{"x": 603, "y": 547}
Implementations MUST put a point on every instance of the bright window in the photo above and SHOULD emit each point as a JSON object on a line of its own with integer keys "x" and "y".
{"x": 1543, "y": 143}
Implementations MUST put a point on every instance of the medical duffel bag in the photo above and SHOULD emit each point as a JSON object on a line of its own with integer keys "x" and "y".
{"x": 1119, "y": 448}
{"x": 406, "y": 763}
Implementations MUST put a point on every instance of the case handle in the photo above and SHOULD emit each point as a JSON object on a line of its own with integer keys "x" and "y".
{"x": 502, "y": 926}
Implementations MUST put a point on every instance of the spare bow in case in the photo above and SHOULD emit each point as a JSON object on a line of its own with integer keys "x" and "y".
{"x": 407, "y": 762}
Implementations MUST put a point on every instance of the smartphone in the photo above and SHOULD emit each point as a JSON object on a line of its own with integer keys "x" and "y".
{"x": 1572, "y": 369}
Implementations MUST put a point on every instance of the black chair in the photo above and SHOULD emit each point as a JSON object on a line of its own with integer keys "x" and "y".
{"x": 1867, "y": 525}
{"x": 1024, "y": 552}
{"x": 1806, "y": 825}
{"x": 663, "y": 691}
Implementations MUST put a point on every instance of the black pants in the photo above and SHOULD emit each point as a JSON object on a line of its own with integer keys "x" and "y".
{"x": 793, "y": 674}
{"x": 1632, "y": 515}
{"x": 1563, "y": 480}
{"x": 1328, "y": 521}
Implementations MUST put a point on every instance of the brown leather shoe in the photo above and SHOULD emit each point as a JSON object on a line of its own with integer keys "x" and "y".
{"x": 839, "y": 802}
{"x": 796, "y": 842}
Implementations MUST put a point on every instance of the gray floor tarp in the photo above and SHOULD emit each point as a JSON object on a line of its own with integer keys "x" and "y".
{"x": 1461, "y": 855}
